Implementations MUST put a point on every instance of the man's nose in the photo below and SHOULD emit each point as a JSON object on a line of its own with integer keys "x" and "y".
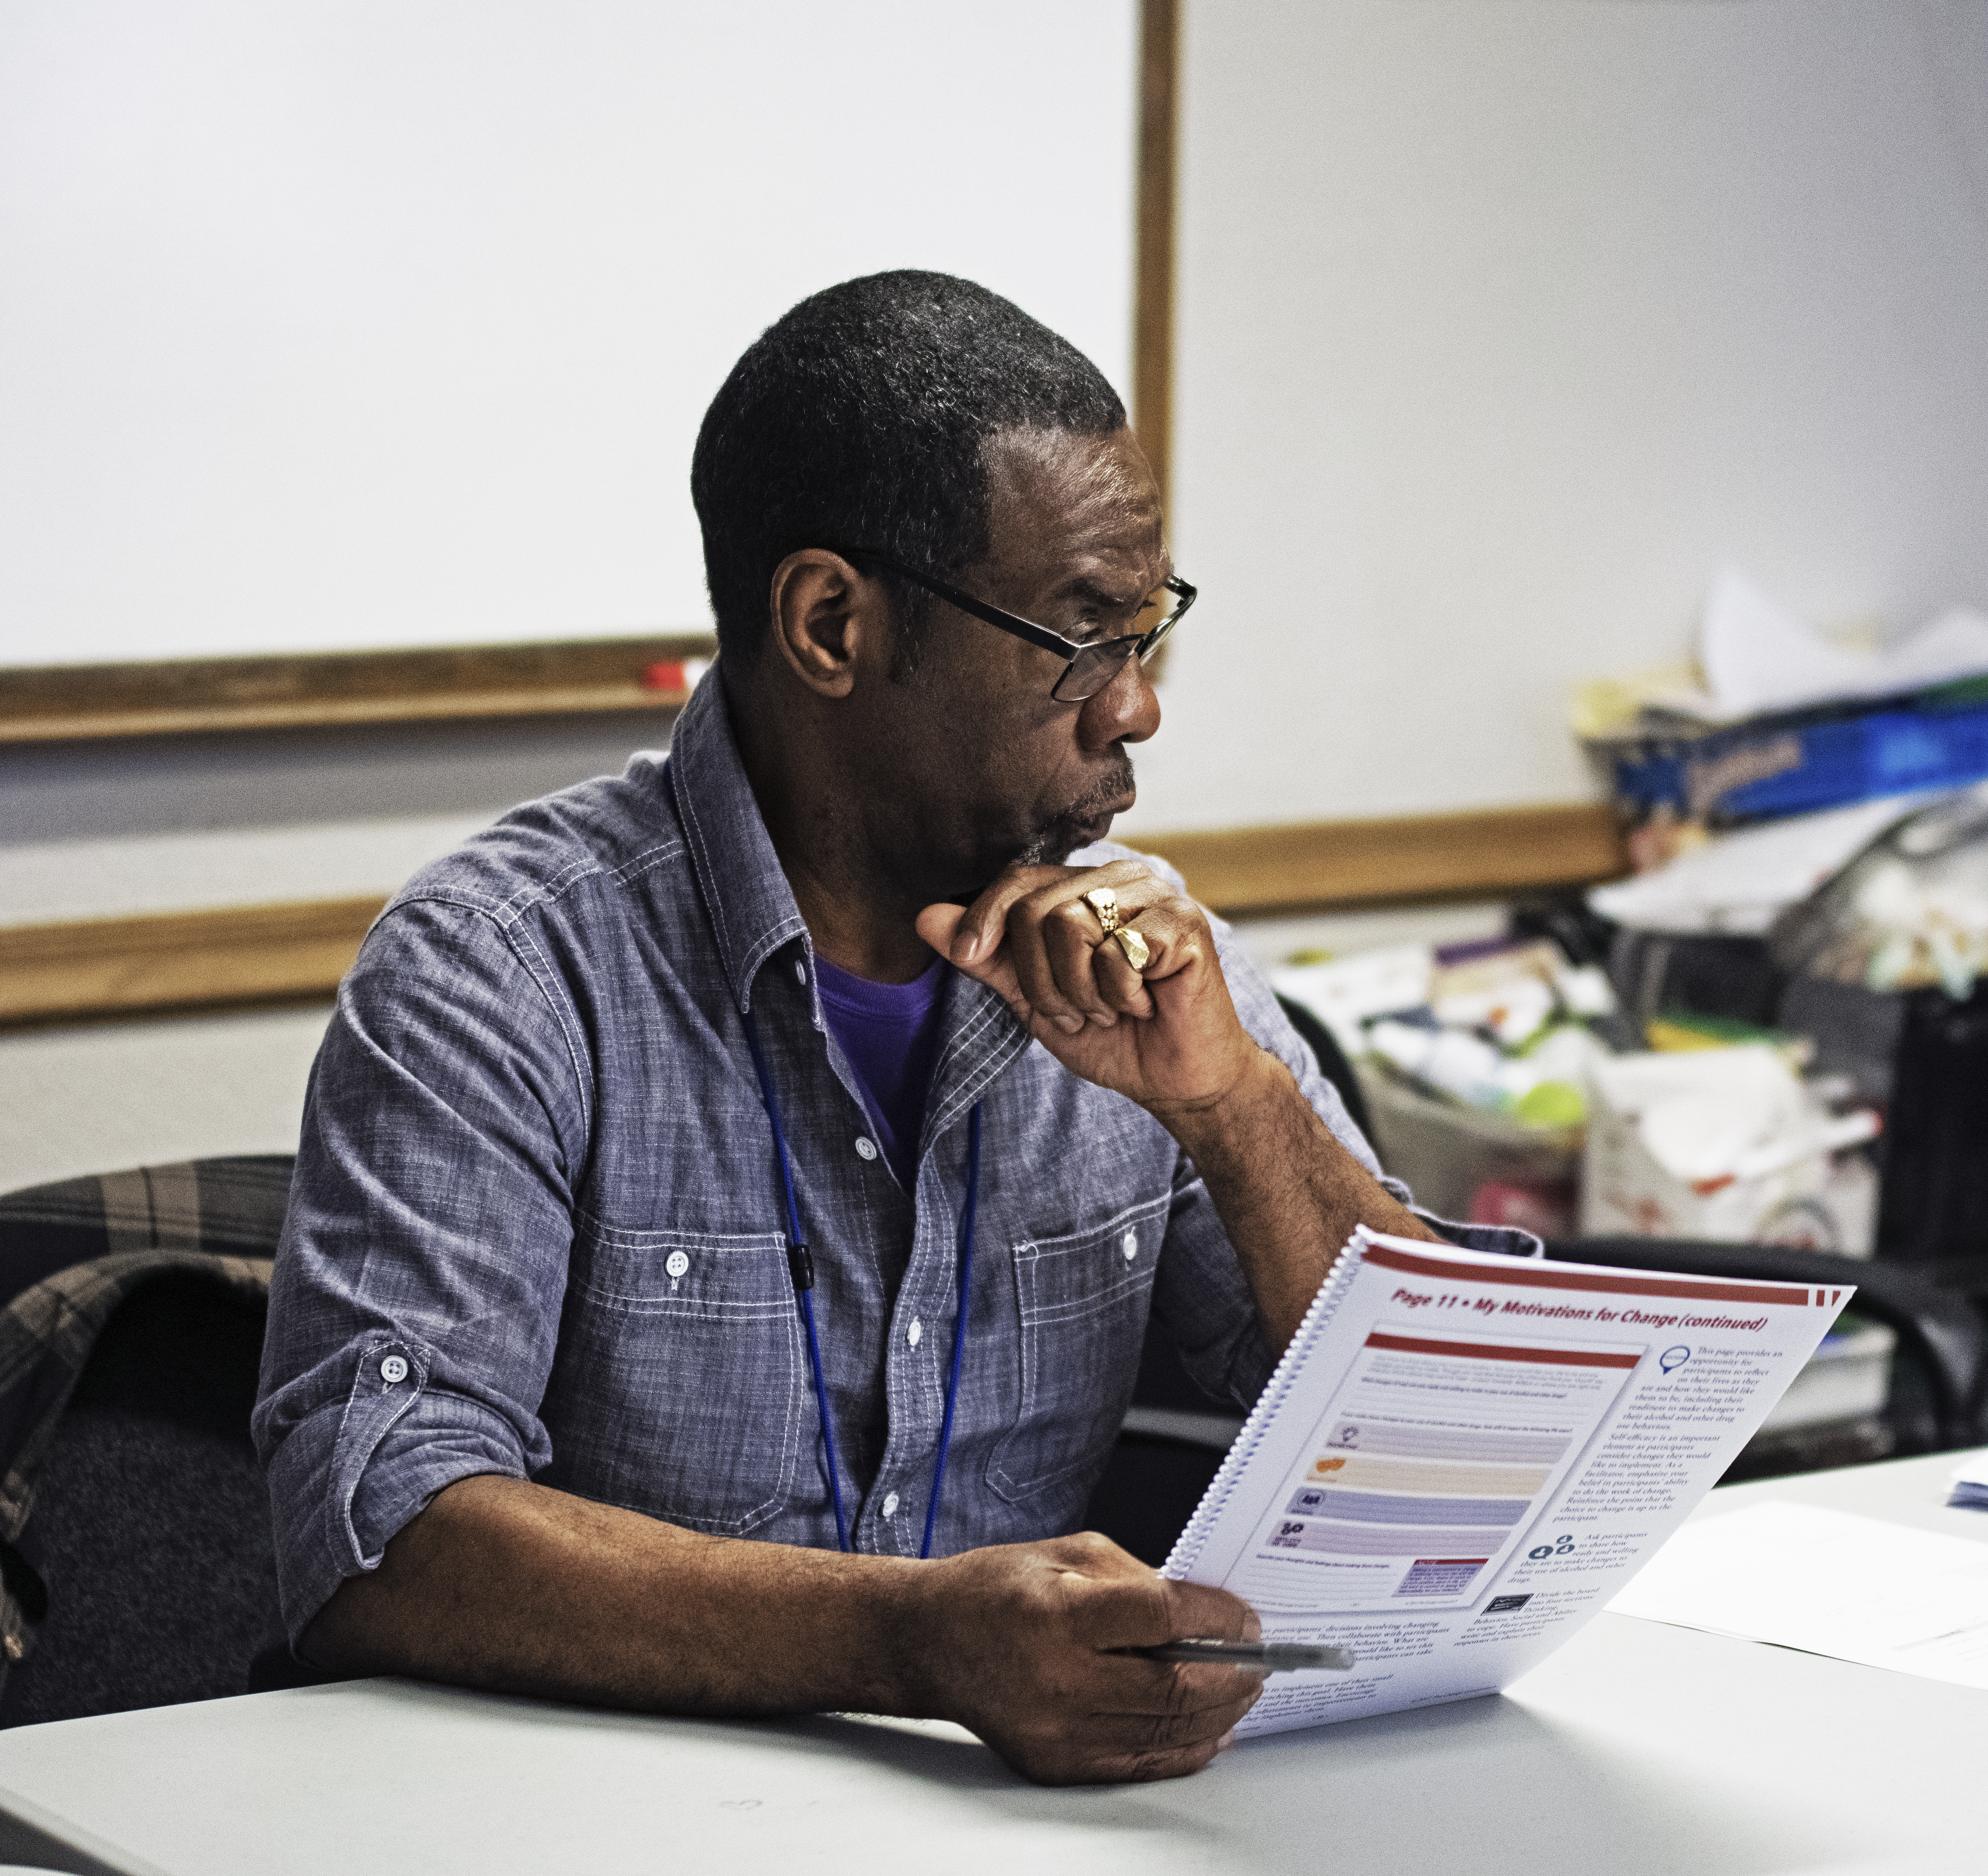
{"x": 1127, "y": 710}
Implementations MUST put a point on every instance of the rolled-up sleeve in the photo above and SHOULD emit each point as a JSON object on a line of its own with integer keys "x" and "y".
{"x": 418, "y": 1288}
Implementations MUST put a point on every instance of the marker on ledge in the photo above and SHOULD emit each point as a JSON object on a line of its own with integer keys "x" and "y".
{"x": 1266, "y": 1657}
{"x": 674, "y": 674}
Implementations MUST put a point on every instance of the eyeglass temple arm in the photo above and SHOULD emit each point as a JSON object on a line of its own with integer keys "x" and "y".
{"x": 992, "y": 615}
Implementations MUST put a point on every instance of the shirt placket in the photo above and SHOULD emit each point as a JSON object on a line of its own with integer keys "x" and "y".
{"x": 982, "y": 1042}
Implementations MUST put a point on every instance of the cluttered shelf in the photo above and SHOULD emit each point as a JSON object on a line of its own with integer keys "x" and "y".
{"x": 1773, "y": 1037}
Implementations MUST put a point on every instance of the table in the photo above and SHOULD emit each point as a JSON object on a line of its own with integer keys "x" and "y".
{"x": 1637, "y": 1748}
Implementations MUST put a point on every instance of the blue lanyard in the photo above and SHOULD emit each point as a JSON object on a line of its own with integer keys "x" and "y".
{"x": 801, "y": 1267}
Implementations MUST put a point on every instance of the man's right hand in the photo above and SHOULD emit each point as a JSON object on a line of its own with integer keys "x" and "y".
{"x": 1023, "y": 1644}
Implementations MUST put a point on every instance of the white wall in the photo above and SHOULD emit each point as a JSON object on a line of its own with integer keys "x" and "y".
{"x": 98, "y": 1099}
{"x": 1502, "y": 326}
{"x": 346, "y": 323}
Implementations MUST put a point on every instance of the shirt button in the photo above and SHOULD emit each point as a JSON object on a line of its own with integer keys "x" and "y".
{"x": 890, "y": 1504}
{"x": 800, "y": 972}
{"x": 1129, "y": 1244}
{"x": 916, "y": 1333}
{"x": 866, "y": 1147}
{"x": 393, "y": 1370}
{"x": 676, "y": 1262}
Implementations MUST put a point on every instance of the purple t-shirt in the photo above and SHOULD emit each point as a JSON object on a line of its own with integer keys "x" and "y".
{"x": 889, "y": 1033}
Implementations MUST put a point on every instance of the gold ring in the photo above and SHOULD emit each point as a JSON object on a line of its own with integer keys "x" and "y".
{"x": 1105, "y": 902}
{"x": 1138, "y": 954}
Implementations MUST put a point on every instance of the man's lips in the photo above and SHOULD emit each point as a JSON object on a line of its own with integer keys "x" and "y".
{"x": 1097, "y": 823}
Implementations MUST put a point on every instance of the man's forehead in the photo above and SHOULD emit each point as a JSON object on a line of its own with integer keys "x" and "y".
{"x": 1089, "y": 504}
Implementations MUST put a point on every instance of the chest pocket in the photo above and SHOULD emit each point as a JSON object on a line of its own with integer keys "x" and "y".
{"x": 680, "y": 1378}
{"x": 1084, "y": 1298}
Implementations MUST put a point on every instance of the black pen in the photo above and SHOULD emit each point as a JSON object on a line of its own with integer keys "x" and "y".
{"x": 1266, "y": 1657}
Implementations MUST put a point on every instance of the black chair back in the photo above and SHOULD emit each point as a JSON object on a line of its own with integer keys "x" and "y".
{"x": 1939, "y": 1332}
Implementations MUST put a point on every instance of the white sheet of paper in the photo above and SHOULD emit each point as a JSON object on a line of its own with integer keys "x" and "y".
{"x": 1741, "y": 882}
{"x": 1757, "y": 657}
{"x": 1827, "y": 1582}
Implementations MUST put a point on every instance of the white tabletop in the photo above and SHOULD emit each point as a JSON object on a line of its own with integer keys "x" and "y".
{"x": 1638, "y": 1747}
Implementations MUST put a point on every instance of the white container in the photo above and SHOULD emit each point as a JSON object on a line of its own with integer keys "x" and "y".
{"x": 1721, "y": 1145}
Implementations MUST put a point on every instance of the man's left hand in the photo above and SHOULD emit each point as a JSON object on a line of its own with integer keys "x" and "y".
{"x": 1167, "y": 1036}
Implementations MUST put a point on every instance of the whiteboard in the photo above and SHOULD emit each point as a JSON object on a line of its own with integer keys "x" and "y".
{"x": 356, "y": 324}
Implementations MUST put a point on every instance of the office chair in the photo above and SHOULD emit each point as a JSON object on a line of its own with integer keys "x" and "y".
{"x": 146, "y": 1564}
{"x": 1937, "y": 1400}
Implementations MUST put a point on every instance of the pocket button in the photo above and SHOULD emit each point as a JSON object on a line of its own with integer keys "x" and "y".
{"x": 393, "y": 1370}
{"x": 1129, "y": 1244}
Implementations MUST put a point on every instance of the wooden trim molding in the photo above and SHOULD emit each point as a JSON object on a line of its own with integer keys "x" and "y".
{"x": 244, "y": 955}
{"x": 240, "y": 956}
{"x": 1337, "y": 866}
{"x": 1153, "y": 234}
{"x": 181, "y": 696}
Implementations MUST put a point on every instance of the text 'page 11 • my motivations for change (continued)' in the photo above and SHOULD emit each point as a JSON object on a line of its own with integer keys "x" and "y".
{"x": 1462, "y": 1456}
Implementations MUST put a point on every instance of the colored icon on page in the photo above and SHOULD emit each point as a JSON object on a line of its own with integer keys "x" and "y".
{"x": 1674, "y": 1357}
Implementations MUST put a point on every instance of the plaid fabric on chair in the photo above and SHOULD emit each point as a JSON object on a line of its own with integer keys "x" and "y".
{"x": 71, "y": 1254}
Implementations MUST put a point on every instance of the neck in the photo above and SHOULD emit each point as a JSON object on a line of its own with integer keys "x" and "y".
{"x": 860, "y": 909}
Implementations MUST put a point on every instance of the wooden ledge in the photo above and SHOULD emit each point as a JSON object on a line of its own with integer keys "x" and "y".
{"x": 1339, "y": 866}
{"x": 239, "y": 956}
{"x": 242, "y": 956}
{"x": 185, "y": 696}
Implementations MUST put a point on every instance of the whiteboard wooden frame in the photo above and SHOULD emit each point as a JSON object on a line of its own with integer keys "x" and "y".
{"x": 40, "y": 703}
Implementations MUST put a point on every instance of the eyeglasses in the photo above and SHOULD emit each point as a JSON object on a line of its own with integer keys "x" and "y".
{"x": 1087, "y": 669}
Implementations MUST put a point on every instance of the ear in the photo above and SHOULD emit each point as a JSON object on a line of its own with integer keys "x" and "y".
{"x": 827, "y": 618}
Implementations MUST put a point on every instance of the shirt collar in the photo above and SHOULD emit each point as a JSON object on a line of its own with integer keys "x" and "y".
{"x": 752, "y": 906}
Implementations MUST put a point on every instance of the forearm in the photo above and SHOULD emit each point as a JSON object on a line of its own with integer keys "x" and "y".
{"x": 1288, "y": 1193}
{"x": 504, "y": 1584}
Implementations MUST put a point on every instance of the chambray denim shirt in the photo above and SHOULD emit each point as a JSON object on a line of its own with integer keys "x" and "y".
{"x": 536, "y": 1227}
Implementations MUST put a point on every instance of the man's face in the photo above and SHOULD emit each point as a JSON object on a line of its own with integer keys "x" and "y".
{"x": 980, "y": 765}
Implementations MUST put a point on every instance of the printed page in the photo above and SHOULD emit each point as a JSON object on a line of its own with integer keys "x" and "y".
{"x": 1464, "y": 1455}
{"x": 1828, "y": 1582}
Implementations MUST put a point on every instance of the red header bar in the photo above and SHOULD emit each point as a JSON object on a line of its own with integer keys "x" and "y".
{"x": 1491, "y": 1351}
{"x": 1524, "y": 1275}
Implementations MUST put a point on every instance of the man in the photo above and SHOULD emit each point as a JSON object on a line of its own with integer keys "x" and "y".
{"x": 554, "y": 1400}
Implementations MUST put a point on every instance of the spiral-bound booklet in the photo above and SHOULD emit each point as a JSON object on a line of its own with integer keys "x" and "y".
{"x": 1462, "y": 1456}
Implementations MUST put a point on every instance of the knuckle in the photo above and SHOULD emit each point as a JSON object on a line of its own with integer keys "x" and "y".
{"x": 1094, "y": 1547}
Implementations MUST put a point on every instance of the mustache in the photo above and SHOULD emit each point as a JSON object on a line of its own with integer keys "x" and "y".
{"x": 1114, "y": 784}
{"x": 1063, "y": 833}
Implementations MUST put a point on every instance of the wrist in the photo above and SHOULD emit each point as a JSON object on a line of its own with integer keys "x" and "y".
{"x": 1258, "y": 1088}
{"x": 907, "y": 1618}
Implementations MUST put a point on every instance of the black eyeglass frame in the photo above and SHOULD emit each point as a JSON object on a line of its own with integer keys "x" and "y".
{"x": 1140, "y": 645}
